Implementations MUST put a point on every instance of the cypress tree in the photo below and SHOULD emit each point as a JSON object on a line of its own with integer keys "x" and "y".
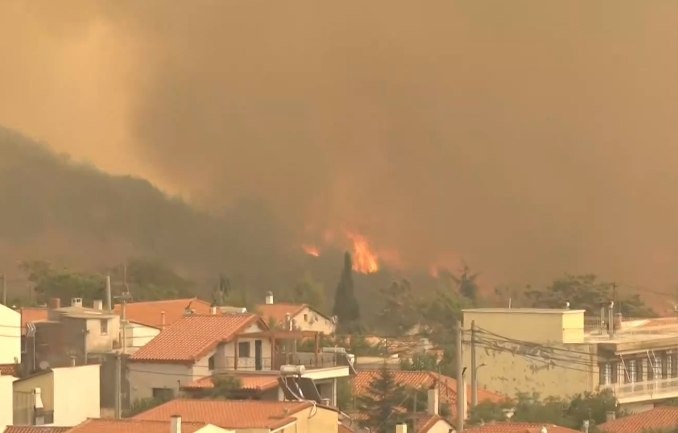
{"x": 346, "y": 306}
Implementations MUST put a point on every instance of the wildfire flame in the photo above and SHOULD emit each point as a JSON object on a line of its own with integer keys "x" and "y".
{"x": 365, "y": 260}
{"x": 311, "y": 250}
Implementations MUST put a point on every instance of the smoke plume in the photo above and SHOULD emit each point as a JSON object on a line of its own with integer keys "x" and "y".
{"x": 526, "y": 138}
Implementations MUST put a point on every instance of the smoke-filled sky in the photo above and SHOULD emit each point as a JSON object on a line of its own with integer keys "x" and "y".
{"x": 529, "y": 138}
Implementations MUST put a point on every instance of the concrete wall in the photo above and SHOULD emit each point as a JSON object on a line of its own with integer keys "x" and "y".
{"x": 324, "y": 420}
{"x": 97, "y": 340}
{"x": 24, "y": 400}
{"x": 139, "y": 335}
{"x": 309, "y": 320}
{"x": 6, "y": 402}
{"x": 441, "y": 426}
{"x": 76, "y": 394}
{"x": 144, "y": 376}
{"x": 10, "y": 337}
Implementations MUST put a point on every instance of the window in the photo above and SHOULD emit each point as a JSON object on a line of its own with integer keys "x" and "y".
{"x": 163, "y": 394}
{"x": 305, "y": 317}
{"x": 631, "y": 373}
{"x": 210, "y": 362}
{"x": 244, "y": 349}
{"x": 658, "y": 368}
{"x": 605, "y": 373}
{"x": 104, "y": 326}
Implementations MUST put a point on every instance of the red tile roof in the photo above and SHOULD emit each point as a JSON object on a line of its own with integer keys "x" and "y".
{"x": 518, "y": 427}
{"x": 35, "y": 429}
{"x": 9, "y": 369}
{"x": 425, "y": 422}
{"x": 655, "y": 419}
{"x": 229, "y": 414}
{"x": 278, "y": 312}
{"x": 254, "y": 382}
{"x": 150, "y": 313}
{"x": 133, "y": 426}
{"x": 423, "y": 380}
{"x": 32, "y": 314}
{"x": 192, "y": 337}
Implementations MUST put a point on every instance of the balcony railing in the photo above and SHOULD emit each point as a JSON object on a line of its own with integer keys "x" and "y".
{"x": 642, "y": 391}
{"x": 307, "y": 359}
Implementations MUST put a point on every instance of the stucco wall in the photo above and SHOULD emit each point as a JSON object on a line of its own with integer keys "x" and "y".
{"x": 76, "y": 394}
{"x": 10, "y": 337}
{"x": 314, "y": 420}
{"x": 440, "y": 427}
{"x": 97, "y": 341}
{"x": 139, "y": 335}
{"x": 144, "y": 376}
{"x": 309, "y": 320}
{"x": 23, "y": 396}
{"x": 540, "y": 326}
{"x": 6, "y": 402}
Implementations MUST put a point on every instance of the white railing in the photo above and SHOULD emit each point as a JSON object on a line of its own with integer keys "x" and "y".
{"x": 649, "y": 390}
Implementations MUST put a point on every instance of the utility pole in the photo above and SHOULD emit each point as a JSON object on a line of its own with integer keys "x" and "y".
{"x": 474, "y": 368}
{"x": 120, "y": 357}
{"x": 118, "y": 386}
{"x": 4, "y": 289}
{"x": 461, "y": 395}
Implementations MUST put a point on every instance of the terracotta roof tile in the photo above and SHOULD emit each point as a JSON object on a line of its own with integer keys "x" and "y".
{"x": 423, "y": 380}
{"x": 32, "y": 314}
{"x": 254, "y": 382}
{"x": 150, "y": 313}
{"x": 35, "y": 429}
{"x": 426, "y": 421}
{"x": 518, "y": 427}
{"x": 655, "y": 419}
{"x": 277, "y": 312}
{"x": 133, "y": 426}
{"x": 192, "y": 337}
{"x": 9, "y": 369}
{"x": 229, "y": 414}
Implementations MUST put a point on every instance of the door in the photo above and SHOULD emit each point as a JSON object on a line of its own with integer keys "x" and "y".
{"x": 258, "y": 364}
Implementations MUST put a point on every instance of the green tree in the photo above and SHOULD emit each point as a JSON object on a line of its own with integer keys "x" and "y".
{"x": 382, "y": 402}
{"x": 420, "y": 362}
{"x": 52, "y": 282}
{"x": 226, "y": 387}
{"x": 307, "y": 291}
{"x": 586, "y": 292}
{"x": 467, "y": 283}
{"x": 345, "y": 400}
{"x": 150, "y": 280}
{"x": 346, "y": 306}
{"x": 400, "y": 311}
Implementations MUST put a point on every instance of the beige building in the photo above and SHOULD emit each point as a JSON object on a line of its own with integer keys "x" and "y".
{"x": 10, "y": 337}
{"x": 295, "y": 317}
{"x": 7, "y": 402}
{"x": 250, "y": 416}
{"x": 173, "y": 424}
{"x": 550, "y": 351}
{"x": 60, "y": 396}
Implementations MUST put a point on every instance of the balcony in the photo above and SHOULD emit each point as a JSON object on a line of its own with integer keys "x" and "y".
{"x": 644, "y": 391}
{"x": 309, "y": 360}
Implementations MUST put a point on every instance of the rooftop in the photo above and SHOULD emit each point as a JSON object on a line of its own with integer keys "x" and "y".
{"x": 253, "y": 382}
{"x": 523, "y": 310}
{"x": 192, "y": 337}
{"x": 132, "y": 426}
{"x": 35, "y": 429}
{"x": 518, "y": 427}
{"x": 278, "y": 312}
{"x": 230, "y": 414}
{"x": 83, "y": 312}
{"x": 32, "y": 314}
{"x": 150, "y": 313}
{"x": 655, "y": 419}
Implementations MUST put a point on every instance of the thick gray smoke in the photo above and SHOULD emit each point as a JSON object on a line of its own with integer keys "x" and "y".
{"x": 528, "y": 138}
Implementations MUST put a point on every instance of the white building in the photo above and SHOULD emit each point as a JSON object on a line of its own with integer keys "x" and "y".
{"x": 10, "y": 337}
{"x": 7, "y": 403}
{"x": 298, "y": 317}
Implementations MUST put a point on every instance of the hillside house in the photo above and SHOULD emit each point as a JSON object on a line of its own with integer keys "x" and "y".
{"x": 295, "y": 317}
{"x": 173, "y": 424}
{"x": 10, "y": 337}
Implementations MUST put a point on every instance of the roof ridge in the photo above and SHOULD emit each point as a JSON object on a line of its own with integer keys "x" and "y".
{"x": 157, "y": 301}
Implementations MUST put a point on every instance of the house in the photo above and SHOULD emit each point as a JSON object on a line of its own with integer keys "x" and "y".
{"x": 529, "y": 350}
{"x": 7, "y": 403}
{"x": 659, "y": 418}
{"x": 10, "y": 337}
{"x": 195, "y": 348}
{"x": 249, "y": 416}
{"x": 431, "y": 423}
{"x": 172, "y": 424}
{"x": 519, "y": 427}
{"x": 425, "y": 380}
{"x": 63, "y": 396}
{"x": 146, "y": 319}
{"x": 301, "y": 317}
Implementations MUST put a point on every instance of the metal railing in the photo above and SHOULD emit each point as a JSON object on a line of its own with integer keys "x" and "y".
{"x": 645, "y": 390}
{"x": 309, "y": 360}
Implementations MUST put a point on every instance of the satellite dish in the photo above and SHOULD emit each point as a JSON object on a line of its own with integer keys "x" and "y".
{"x": 44, "y": 365}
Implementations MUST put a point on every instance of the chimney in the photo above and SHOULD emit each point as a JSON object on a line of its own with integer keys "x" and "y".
{"x": 98, "y": 304}
{"x": 610, "y": 319}
{"x": 175, "y": 424}
{"x": 269, "y": 298}
{"x": 213, "y": 310}
{"x": 610, "y": 415}
{"x": 162, "y": 320}
{"x": 401, "y": 428}
{"x": 54, "y": 303}
{"x": 109, "y": 304}
{"x": 432, "y": 401}
{"x": 76, "y": 302}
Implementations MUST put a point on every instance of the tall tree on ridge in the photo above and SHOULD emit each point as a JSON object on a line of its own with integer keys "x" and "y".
{"x": 346, "y": 307}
